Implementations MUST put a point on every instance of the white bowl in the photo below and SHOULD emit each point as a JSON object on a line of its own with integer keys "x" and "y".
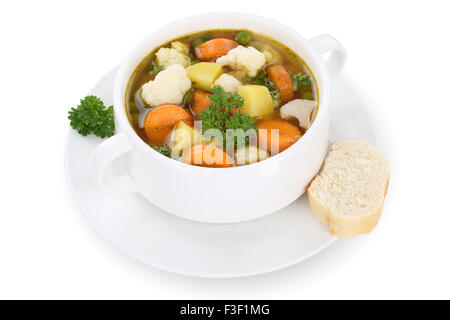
{"x": 220, "y": 195}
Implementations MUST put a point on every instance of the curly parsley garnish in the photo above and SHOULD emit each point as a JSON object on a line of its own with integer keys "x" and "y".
{"x": 91, "y": 116}
{"x": 262, "y": 79}
{"x": 164, "y": 150}
{"x": 301, "y": 79}
{"x": 223, "y": 114}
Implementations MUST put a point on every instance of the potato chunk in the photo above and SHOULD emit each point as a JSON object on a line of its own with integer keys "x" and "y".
{"x": 204, "y": 74}
{"x": 183, "y": 139}
{"x": 257, "y": 100}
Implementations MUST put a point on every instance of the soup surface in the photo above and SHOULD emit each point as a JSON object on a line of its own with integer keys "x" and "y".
{"x": 221, "y": 98}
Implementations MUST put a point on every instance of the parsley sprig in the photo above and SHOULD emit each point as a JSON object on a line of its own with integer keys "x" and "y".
{"x": 91, "y": 116}
{"x": 222, "y": 114}
{"x": 301, "y": 79}
{"x": 164, "y": 150}
{"x": 262, "y": 79}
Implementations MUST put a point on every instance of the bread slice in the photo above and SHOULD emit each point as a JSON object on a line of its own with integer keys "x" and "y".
{"x": 348, "y": 194}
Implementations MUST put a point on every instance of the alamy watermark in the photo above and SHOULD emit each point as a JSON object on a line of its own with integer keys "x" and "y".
{"x": 240, "y": 147}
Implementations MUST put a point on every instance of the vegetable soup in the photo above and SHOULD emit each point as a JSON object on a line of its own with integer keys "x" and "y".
{"x": 221, "y": 98}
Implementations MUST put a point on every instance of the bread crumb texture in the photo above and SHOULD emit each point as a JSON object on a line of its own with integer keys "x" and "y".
{"x": 348, "y": 194}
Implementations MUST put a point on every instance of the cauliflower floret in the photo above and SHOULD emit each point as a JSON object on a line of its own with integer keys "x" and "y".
{"x": 180, "y": 47}
{"x": 272, "y": 55}
{"x": 169, "y": 86}
{"x": 241, "y": 57}
{"x": 299, "y": 109}
{"x": 176, "y": 55}
{"x": 269, "y": 55}
{"x": 250, "y": 154}
{"x": 228, "y": 83}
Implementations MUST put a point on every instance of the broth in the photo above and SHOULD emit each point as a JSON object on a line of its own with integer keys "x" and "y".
{"x": 137, "y": 109}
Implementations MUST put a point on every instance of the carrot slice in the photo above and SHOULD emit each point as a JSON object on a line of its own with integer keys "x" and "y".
{"x": 287, "y": 135}
{"x": 208, "y": 155}
{"x": 201, "y": 101}
{"x": 212, "y": 49}
{"x": 282, "y": 81}
{"x": 161, "y": 120}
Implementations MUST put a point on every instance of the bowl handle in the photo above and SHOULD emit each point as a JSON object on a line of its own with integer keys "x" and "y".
{"x": 325, "y": 43}
{"x": 103, "y": 156}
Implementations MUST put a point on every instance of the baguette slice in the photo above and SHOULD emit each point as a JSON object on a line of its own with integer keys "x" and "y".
{"x": 348, "y": 195}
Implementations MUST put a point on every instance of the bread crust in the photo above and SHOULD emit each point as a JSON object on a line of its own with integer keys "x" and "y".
{"x": 341, "y": 225}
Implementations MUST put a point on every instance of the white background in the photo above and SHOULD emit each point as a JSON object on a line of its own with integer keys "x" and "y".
{"x": 53, "y": 52}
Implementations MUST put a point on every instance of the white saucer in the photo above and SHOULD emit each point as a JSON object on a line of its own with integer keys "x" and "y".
{"x": 173, "y": 244}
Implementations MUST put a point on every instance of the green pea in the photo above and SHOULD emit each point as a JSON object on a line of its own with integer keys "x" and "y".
{"x": 308, "y": 95}
{"x": 243, "y": 38}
